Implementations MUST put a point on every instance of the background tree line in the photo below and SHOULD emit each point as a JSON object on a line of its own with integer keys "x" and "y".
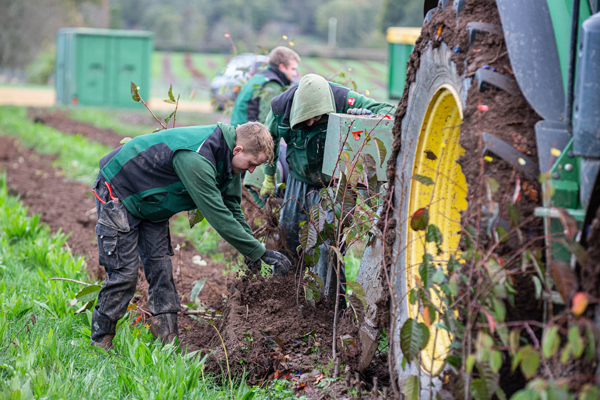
{"x": 29, "y": 26}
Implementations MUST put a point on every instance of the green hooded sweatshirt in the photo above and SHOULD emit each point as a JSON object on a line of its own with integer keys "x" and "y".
{"x": 312, "y": 97}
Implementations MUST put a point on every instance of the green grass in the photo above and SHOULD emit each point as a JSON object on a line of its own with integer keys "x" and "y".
{"x": 117, "y": 120}
{"x": 77, "y": 156}
{"x": 44, "y": 345}
{"x": 111, "y": 119}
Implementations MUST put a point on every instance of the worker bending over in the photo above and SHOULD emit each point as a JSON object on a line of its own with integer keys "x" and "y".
{"x": 148, "y": 180}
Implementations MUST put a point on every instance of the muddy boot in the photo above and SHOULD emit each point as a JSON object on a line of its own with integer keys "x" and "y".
{"x": 103, "y": 331}
{"x": 165, "y": 327}
{"x": 106, "y": 343}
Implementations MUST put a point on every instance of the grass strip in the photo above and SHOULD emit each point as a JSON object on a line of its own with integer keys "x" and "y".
{"x": 44, "y": 345}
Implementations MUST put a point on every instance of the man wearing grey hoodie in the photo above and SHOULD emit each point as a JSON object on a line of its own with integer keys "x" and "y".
{"x": 299, "y": 116}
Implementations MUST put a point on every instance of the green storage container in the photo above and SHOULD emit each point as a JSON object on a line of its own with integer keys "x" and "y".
{"x": 401, "y": 44}
{"x": 94, "y": 67}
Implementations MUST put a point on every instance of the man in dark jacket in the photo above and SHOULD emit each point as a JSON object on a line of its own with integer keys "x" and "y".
{"x": 153, "y": 177}
{"x": 299, "y": 116}
{"x": 254, "y": 101}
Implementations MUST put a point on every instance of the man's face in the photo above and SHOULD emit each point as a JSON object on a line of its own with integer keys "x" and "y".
{"x": 291, "y": 71}
{"x": 312, "y": 121}
{"x": 243, "y": 161}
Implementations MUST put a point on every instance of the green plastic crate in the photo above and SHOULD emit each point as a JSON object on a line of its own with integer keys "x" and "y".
{"x": 401, "y": 44}
{"x": 94, "y": 67}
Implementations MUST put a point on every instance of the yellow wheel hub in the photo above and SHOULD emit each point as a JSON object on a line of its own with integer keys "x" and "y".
{"x": 438, "y": 151}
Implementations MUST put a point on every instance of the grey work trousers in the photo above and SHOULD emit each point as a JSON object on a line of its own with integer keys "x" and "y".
{"x": 121, "y": 239}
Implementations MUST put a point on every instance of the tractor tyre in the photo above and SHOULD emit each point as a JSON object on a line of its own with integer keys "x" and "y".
{"x": 438, "y": 136}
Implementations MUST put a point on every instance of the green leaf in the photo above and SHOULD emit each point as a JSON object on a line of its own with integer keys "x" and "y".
{"x": 426, "y": 271}
{"x": 171, "y": 97}
{"x": 454, "y": 361}
{"x": 308, "y": 236}
{"x": 86, "y": 306}
{"x": 249, "y": 395}
{"x": 88, "y": 293}
{"x": 195, "y": 217}
{"x": 550, "y": 341}
{"x": 589, "y": 392}
{"x": 425, "y": 180}
{"x": 309, "y": 295}
{"x": 438, "y": 276}
{"x": 412, "y": 296}
{"x": 381, "y": 150}
{"x": 125, "y": 140}
{"x": 590, "y": 351}
{"x": 425, "y": 334}
{"x": 434, "y": 235}
{"x": 411, "y": 338}
{"x": 134, "y": 93}
{"x": 316, "y": 278}
{"x": 530, "y": 361}
{"x": 453, "y": 285}
{"x": 356, "y": 288}
{"x": 411, "y": 388}
{"x": 198, "y": 285}
{"x": 513, "y": 213}
{"x": 496, "y": 361}
{"x": 575, "y": 341}
{"x": 311, "y": 258}
{"x": 470, "y": 363}
{"x": 169, "y": 117}
{"x": 315, "y": 290}
{"x": 478, "y": 390}
{"x": 565, "y": 354}
{"x": 500, "y": 394}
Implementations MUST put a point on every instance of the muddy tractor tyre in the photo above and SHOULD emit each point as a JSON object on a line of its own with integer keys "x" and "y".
{"x": 437, "y": 77}
{"x": 438, "y": 135}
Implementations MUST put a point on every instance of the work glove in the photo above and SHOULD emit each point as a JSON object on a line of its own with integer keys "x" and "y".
{"x": 268, "y": 187}
{"x": 280, "y": 263}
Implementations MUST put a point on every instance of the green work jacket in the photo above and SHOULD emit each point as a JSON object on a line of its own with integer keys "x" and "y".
{"x": 253, "y": 102}
{"x": 158, "y": 175}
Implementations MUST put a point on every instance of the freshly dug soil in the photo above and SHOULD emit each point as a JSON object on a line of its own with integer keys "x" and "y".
{"x": 252, "y": 306}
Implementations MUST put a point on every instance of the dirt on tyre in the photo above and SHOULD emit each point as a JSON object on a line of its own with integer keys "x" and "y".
{"x": 439, "y": 134}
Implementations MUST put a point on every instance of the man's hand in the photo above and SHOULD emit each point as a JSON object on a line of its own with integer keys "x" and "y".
{"x": 281, "y": 264}
{"x": 268, "y": 186}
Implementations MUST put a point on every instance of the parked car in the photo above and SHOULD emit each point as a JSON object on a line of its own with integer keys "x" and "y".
{"x": 226, "y": 85}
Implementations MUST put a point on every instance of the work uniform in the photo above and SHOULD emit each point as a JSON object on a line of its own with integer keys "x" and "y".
{"x": 254, "y": 100}
{"x": 312, "y": 97}
{"x": 155, "y": 177}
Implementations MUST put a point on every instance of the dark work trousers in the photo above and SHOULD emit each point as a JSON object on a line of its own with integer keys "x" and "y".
{"x": 121, "y": 238}
{"x": 299, "y": 198}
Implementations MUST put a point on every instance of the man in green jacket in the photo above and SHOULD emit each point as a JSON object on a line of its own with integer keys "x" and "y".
{"x": 299, "y": 116}
{"x": 148, "y": 180}
{"x": 254, "y": 101}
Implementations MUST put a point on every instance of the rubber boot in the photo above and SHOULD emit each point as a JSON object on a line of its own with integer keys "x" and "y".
{"x": 103, "y": 331}
{"x": 164, "y": 326}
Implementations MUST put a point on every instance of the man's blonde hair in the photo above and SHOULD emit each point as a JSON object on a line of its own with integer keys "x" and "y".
{"x": 283, "y": 55}
{"x": 255, "y": 138}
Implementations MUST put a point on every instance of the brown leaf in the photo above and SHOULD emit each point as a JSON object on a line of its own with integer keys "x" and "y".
{"x": 564, "y": 279}
{"x": 426, "y": 317}
{"x": 568, "y": 222}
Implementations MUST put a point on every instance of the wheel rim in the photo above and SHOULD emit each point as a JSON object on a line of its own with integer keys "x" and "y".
{"x": 446, "y": 198}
